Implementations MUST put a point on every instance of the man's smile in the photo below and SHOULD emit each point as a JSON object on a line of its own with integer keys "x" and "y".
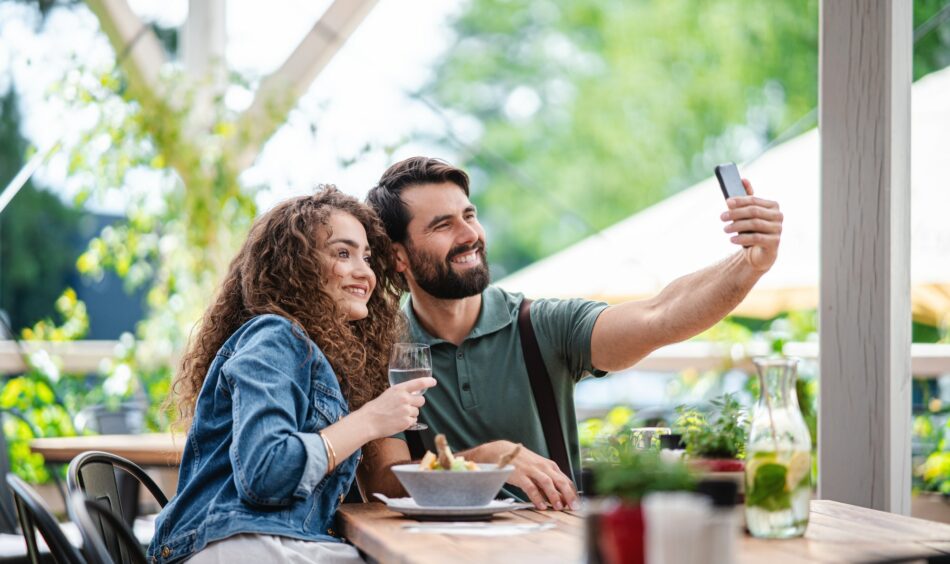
{"x": 467, "y": 258}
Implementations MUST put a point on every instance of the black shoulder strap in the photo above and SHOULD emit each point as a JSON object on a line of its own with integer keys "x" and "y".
{"x": 543, "y": 391}
{"x": 417, "y": 448}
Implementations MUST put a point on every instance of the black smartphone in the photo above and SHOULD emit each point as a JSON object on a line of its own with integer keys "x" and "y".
{"x": 729, "y": 180}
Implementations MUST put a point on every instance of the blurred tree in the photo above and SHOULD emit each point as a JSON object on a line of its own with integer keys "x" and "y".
{"x": 573, "y": 116}
{"x": 37, "y": 253}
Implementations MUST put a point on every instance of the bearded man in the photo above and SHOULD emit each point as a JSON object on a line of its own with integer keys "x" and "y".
{"x": 489, "y": 395}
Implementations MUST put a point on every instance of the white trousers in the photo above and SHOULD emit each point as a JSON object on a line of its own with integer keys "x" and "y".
{"x": 259, "y": 549}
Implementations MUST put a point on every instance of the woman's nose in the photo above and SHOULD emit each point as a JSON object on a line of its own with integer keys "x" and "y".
{"x": 363, "y": 270}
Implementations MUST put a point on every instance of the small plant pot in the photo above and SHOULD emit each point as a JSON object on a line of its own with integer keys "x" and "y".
{"x": 622, "y": 531}
{"x": 721, "y": 469}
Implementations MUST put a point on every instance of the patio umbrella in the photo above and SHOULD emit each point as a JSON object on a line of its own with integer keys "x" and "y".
{"x": 637, "y": 257}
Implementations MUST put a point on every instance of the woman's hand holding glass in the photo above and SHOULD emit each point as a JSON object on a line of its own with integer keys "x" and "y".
{"x": 396, "y": 409}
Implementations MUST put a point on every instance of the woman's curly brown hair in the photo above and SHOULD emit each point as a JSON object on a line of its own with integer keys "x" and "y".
{"x": 279, "y": 270}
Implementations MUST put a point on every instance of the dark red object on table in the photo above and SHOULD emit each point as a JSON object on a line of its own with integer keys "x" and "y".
{"x": 622, "y": 535}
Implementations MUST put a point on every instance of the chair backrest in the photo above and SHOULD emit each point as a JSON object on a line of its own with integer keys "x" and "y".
{"x": 93, "y": 474}
{"x": 92, "y": 518}
{"x": 34, "y": 515}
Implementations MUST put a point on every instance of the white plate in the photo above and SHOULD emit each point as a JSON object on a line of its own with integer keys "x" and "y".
{"x": 410, "y": 508}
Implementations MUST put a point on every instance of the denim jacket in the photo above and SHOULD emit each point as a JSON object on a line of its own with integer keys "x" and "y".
{"x": 253, "y": 462}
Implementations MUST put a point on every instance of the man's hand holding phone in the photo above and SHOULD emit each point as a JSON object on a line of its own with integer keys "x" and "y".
{"x": 756, "y": 223}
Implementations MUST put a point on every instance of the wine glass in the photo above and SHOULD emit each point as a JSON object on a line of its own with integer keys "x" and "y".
{"x": 409, "y": 361}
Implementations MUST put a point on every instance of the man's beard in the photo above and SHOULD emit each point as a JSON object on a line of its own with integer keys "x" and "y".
{"x": 441, "y": 281}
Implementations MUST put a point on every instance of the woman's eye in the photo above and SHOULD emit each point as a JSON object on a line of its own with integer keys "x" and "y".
{"x": 343, "y": 253}
{"x": 368, "y": 259}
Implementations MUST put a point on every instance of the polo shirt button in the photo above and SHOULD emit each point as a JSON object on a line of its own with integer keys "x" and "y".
{"x": 466, "y": 386}
{"x": 459, "y": 356}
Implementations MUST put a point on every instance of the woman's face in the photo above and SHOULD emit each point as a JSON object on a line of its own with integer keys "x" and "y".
{"x": 351, "y": 280}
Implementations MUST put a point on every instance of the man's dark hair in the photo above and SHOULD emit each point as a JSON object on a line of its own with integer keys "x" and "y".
{"x": 386, "y": 197}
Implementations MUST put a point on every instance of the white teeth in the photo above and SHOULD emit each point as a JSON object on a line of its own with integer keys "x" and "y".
{"x": 466, "y": 258}
{"x": 356, "y": 291}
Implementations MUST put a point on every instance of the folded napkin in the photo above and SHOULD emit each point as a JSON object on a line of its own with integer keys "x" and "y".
{"x": 478, "y": 529}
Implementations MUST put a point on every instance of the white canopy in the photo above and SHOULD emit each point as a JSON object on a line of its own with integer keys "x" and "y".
{"x": 637, "y": 257}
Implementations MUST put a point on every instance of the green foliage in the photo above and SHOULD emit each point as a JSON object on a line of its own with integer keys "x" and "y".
{"x": 606, "y": 107}
{"x": 932, "y": 52}
{"x": 579, "y": 114}
{"x": 635, "y": 473}
{"x": 934, "y": 473}
{"x": 44, "y": 399}
{"x": 33, "y": 397}
{"x": 720, "y": 434}
{"x": 36, "y": 252}
{"x": 187, "y": 212}
{"x": 604, "y": 439}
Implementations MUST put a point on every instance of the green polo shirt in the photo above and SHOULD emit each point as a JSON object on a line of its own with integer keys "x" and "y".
{"x": 484, "y": 393}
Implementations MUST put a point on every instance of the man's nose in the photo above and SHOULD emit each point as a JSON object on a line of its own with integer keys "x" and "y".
{"x": 468, "y": 234}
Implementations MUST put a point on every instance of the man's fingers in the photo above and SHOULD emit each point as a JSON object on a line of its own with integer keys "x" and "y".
{"x": 566, "y": 488}
{"x": 417, "y": 384}
{"x": 755, "y": 240}
{"x": 546, "y": 485}
{"x": 771, "y": 214}
{"x": 748, "y": 186}
{"x": 742, "y": 201}
{"x": 753, "y": 225}
{"x": 532, "y": 491}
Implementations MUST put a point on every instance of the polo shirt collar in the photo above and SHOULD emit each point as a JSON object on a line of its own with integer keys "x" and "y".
{"x": 494, "y": 316}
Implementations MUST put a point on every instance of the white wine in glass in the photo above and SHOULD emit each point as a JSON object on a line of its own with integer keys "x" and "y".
{"x": 408, "y": 362}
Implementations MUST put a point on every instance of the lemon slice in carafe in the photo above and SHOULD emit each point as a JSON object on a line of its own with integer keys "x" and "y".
{"x": 798, "y": 467}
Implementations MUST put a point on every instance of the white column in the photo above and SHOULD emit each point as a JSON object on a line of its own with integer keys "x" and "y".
{"x": 864, "y": 418}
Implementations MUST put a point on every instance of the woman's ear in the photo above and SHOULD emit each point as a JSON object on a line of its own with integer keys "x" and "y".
{"x": 402, "y": 257}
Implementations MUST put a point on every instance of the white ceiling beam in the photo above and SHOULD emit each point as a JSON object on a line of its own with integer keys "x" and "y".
{"x": 138, "y": 49}
{"x": 279, "y": 91}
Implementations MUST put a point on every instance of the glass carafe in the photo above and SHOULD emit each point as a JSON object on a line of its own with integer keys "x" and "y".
{"x": 778, "y": 455}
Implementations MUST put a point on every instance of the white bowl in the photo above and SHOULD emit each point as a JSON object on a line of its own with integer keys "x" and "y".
{"x": 442, "y": 488}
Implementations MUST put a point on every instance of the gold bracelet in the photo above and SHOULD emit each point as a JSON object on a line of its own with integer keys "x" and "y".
{"x": 331, "y": 454}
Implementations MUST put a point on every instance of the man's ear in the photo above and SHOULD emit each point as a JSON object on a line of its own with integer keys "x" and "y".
{"x": 402, "y": 257}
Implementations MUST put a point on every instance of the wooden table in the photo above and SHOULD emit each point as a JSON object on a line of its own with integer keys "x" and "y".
{"x": 837, "y": 532}
{"x": 151, "y": 449}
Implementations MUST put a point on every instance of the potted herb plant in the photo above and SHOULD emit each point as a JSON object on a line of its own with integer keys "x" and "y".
{"x": 628, "y": 477}
{"x": 714, "y": 441}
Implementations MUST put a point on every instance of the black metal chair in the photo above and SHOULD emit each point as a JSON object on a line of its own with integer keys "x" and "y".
{"x": 93, "y": 518}
{"x": 34, "y": 515}
{"x": 93, "y": 474}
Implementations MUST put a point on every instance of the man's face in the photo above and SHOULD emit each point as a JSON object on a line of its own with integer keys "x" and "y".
{"x": 444, "y": 252}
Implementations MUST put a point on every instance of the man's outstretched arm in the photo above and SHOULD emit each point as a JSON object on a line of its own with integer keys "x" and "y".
{"x": 625, "y": 333}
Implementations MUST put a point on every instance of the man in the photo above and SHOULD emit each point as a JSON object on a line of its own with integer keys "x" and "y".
{"x": 484, "y": 402}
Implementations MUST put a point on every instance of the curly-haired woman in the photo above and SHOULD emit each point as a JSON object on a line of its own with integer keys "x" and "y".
{"x": 283, "y": 383}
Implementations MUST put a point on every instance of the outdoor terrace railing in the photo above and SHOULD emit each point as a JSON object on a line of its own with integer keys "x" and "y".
{"x": 927, "y": 360}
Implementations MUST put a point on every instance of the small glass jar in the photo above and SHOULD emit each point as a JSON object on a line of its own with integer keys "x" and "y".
{"x": 778, "y": 455}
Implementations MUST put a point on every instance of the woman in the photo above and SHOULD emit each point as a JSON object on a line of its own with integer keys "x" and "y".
{"x": 278, "y": 388}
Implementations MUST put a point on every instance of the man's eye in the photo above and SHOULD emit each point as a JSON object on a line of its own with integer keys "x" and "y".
{"x": 441, "y": 226}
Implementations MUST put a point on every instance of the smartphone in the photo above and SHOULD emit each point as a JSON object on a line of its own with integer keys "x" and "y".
{"x": 730, "y": 181}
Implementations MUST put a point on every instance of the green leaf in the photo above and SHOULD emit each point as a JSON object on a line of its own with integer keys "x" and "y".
{"x": 768, "y": 488}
